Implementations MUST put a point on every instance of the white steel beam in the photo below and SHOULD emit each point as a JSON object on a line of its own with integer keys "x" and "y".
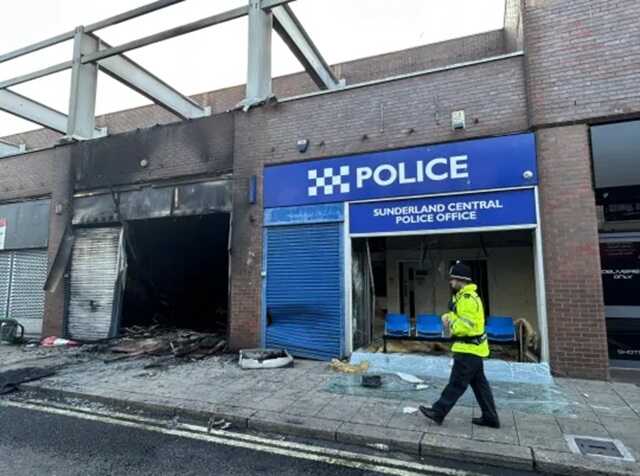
{"x": 25, "y": 108}
{"x": 294, "y": 35}
{"x": 136, "y": 12}
{"x": 131, "y": 14}
{"x": 139, "y": 79}
{"x": 167, "y": 34}
{"x": 56, "y": 68}
{"x": 259, "y": 65}
{"x": 7, "y": 148}
{"x": 84, "y": 85}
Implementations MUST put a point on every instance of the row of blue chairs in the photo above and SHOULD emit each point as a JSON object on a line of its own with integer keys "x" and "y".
{"x": 429, "y": 326}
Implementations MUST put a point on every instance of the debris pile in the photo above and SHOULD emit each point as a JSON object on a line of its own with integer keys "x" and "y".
{"x": 340, "y": 366}
{"x": 159, "y": 341}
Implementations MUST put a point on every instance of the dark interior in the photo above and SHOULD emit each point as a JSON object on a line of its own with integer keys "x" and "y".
{"x": 178, "y": 273}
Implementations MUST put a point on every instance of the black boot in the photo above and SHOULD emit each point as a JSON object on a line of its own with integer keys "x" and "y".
{"x": 431, "y": 414}
{"x": 483, "y": 422}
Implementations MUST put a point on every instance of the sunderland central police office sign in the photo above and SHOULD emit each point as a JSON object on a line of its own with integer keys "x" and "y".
{"x": 482, "y": 164}
{"x": 475, "y": 210}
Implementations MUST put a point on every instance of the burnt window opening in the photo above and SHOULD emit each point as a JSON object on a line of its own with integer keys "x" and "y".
{"x": 178, "y": 273}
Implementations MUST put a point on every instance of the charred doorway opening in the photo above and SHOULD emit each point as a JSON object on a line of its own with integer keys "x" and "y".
{"x": 178, "y": 273}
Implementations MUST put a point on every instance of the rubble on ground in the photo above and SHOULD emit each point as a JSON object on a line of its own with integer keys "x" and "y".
{"x": 162, "y": 342}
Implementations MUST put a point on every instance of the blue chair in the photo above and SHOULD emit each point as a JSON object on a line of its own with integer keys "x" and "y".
{"x": 500, "y": 329}
{"x": 397, "y": 325}
{"x": 429, "y": 325}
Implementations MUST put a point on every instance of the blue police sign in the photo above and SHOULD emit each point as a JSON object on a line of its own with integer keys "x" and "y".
{"x": 497, "y": 162}
{"x": 489, "y": 209}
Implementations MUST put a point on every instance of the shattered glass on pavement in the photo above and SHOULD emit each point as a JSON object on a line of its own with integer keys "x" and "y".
{"x": 436, "y": 366}
{"x": 524, "y": 397}
{"x": 527, "y": 388}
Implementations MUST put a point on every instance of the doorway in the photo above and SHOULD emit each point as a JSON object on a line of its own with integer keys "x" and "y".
{"x": 178, "y": 273}
{"x": 417, "y": 288}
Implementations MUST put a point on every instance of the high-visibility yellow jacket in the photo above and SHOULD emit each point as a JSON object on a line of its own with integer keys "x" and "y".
{"x": 466, "y": 320}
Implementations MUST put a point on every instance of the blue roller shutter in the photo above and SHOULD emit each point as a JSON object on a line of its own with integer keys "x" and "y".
{"x": 305, "y": 289}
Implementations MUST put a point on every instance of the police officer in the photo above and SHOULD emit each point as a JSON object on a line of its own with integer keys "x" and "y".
{"x": 465, "y": 321}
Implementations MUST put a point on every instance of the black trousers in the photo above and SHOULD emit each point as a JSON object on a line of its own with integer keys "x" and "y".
{"x": 467, "y": 370}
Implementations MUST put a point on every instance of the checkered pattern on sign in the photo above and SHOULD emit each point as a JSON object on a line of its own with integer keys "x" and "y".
{"x": 328, "y": 183}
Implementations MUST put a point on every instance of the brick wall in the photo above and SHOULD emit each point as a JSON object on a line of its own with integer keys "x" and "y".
{"x": 358, "y": 120}
{"x": 572, "y": 261}
{"x": 29, "y": 175}
{"x": 200, "y": 147}
{"x": 583, "y": 59}
{"x": 406, "y": 61}
{"x": 62, "y": 197}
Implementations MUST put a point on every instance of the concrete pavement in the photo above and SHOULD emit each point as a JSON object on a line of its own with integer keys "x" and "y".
{"x": 298, "y": 401}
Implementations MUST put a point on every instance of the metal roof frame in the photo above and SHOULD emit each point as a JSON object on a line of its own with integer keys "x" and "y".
{"x": 91, "y": 53}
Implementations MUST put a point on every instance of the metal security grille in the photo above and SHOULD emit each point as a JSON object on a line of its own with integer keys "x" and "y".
{"x": 305, "y": 289}
{"x": 22, "y": 277}
{"x": 94, "y": 271}
{"x": 26, "y": 298}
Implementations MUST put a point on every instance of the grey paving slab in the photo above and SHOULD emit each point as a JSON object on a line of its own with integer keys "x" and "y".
{"x": 397, "y": 440}
{"x": 574, "y": 426}
{"x": 621, "y": 427}
{"x": 341, "y": 408}
{"x": 248, "y": 400}
{"x": 309, "y": 405}
{"x": 621, "y": 411}
{"x": 409, "y": 421}
{"x": 629, "y": 390}
{"x": 474, "y": 451}
{"x": 522, "y": 419}
{"x": 276, "y": 404}
{"x": 554, "y": 462}
{"x": 506, "y": 434}
{"x": 375, "y": 412}
{"x": 453, "y": 426}
{"x": 592, "y": 386}
{"x": 582, "y": 411}
{"x": 295, "y": 425}
{"x": 265, "y": 386}
{"x": 292, "y": 393}
{"x": 507, "y": 418}
{"x": 538, "y": 431}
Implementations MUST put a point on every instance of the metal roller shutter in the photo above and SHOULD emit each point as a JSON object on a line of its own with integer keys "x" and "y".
{"x": 305, "y": 290}
{"x": 94, "y": 271}
{"x": 26, "y": 299}
{"x": 5, "y": 280}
